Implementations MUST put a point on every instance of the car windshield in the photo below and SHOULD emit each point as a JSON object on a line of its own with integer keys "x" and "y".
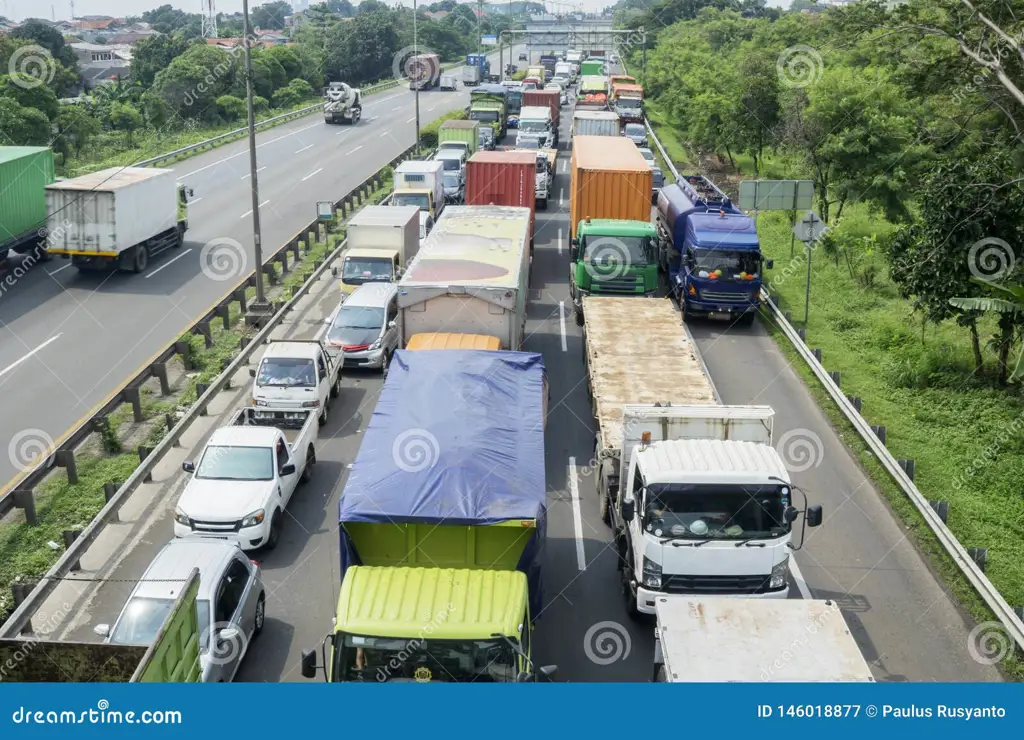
{"x": 286, "y": 373}
{"x": 359, "y": 270}
{"x": 617, "y": 251}
{"x": 222, "y": 462}
{"x": 141, "y": 620}
{"x": 357, "y": 317}
{"x": 689, "y": 511}
{"x": 383, "y": 659}
{"x": 451, "y": 179}
{"x": 730, "y": 262}
{"x": 533, "y": 127}
{"x": 487, "y": 116}
{"x": 420, "y": 200}
{"x": 635, "y": 129}
{"x": 451, "y": 164}
{"x": 647, "y": 154}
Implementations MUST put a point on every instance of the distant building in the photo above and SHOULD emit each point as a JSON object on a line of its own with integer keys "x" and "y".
{"x": 101, "y": 53}
{"x": 436, "y": 15}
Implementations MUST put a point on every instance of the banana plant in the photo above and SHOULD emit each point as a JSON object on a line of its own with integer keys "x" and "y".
{"x": 1008, "y": 302}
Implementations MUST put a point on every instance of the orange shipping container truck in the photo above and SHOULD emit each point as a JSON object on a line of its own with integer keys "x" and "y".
{"x": 610, "y": 179}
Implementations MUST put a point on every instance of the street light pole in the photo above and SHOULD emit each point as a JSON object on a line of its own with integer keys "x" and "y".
{"x": 261, "y": 307}
{"x": 416, "y": 83}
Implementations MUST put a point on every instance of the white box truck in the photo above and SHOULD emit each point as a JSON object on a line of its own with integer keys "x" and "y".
{"x": 471, "y": 276}
{"x": 709, "y": 640}
{"x": 420, "y": 184}
{"x": 595, "y": 123}
{"x": 116, "y": 218}
{"x": 381, "y": 241}
{"x": 699, "y": 501}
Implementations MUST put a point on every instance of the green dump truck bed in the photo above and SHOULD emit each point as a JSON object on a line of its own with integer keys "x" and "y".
{"x": 25, "y": 171}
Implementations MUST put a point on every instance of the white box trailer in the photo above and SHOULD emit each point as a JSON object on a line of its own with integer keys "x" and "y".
{"x": 471, "y": 276}
{"x": 421, "y": 184}
{"x": 381, "y": 241}
{"x": 119, "y": 217}
{"x": 595, "y": 123}
{"x": 753, "y": 641}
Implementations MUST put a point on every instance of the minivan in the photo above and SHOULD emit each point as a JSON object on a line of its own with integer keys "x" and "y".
{"x": 365, "y": 327}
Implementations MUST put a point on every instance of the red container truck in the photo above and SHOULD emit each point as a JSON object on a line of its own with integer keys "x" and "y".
{"x": 503, "y": 178}
{"x": 547, "y": 99}
{"x": 424, "y": 71}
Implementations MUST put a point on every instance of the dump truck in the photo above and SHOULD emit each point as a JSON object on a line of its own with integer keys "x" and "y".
{"x": 471, "y": 276}
{"x": 698, "y": 500}
{"x": 381, "y": 242}
{"x": 119, "y": 217}
{"x": 710, "y": 251}
{"x": 595, "y": 123}
{"x": 442, "y": 523}
{"x": 549, "y": 99}
{"x": 592, "y": 93}
{"x": 593, "y": 68}
{"x": 463, "y": 135}
{"x": 711, "y": 640}
{"x": 488, "y": 105}
{"x": 25, "y": 171}
{"x": 172, "y": 657}
{"x": 628, "y": 102}
{"x": 424, "y": 71}
{"x": 342, "y": 104}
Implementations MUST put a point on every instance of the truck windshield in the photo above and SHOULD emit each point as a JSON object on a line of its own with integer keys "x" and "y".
{"x": 359, "y": 270}
{"x": 688, "y": 511}
{"x": 730, "y": 262}
{"x": 533, "y": 126}
{"x": 487, "y": 116}
{"x": 420, "y": 200}
{"x": 287, "y": 373}
{"x": 451, "y": 164}
{"x": 635, "y": 129}
{"x": 383, "y": 659}
{"x": 612, "y": 251}
{"x": 141, "y": 620}
{"x": 236, "y": 463}
{"x": 633, "y": 103}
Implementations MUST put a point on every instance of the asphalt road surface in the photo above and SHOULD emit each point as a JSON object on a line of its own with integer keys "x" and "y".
{"x": 906, "y": 626}
{"x": 68, "y": 340}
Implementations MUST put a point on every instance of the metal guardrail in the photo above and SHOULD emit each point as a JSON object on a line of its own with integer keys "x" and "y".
{"x": 966, "y": 564}
{"x": 27, "y": 604}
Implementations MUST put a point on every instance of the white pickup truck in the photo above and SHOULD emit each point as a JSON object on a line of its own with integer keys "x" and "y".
{"x": 295, "y": 375}
{"x": 245, "y": 478}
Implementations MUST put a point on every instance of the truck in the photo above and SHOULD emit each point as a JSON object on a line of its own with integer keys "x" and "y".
{"x": 464, "y": 135}
{"x": 628, "y": 102}
{"x": 25, "y": 171}
{"x": 698, "y": 500}
{"x": 245, "y": 476}
{"x": 294, "y": 375}
{"x": 550, "y": 99}
{"x": 536, "y": 72}
{"x": 381, "y": 241}
{"x": 593, "y": 93}
{"x": 171, "y": 657}
{"x": 119, "y": 218}
{"x": 592, "y": 68}
{"x": 342, "y": 104}
{"x": 471, "y": 276}
{"x": 487, "y": 104}
{"x": 595, "y": 123}
{"x": 621, "y": 79}
{"x": 564, "y": 74}
{"x": 709, "y": 251}
{"x": 535, "y": 122}
{"x": 549, "y": 61}
{"x": 420, "y": 184}
{"x": 545, "y": 179}
{"x": 424, "y": 71}
{"x": 471, "y": 76}
{"x": 504, "y": 178}
{"x": 481, "y": 64}
{"x": 441, "y": 554}
{"x": 712, "y": 640}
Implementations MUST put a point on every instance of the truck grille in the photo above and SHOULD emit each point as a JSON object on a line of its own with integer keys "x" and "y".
{"x": 722, "y": 585}
{"x": 621, "y": 284}
{"x": 216, "y": 527}
{"x": 709, "y": 295}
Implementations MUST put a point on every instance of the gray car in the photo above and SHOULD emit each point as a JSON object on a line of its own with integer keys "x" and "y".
{"x": 365, "y": 327}
{"x": 636, "y": 132}
{"x": 231, "y": 603}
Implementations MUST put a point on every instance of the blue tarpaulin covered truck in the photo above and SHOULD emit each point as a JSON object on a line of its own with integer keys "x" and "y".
{"x": 709, "y": 251}
{"x": 481, "y": 63}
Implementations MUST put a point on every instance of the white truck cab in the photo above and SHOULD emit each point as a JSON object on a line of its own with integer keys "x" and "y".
{"x": 707, "y": 506}
{"x": 296, "y": 375}
{"x": 535, "y": 121}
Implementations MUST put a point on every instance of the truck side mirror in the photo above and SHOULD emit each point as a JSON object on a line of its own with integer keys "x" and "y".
{"x": 188, "y": 466}
{"x": 573, "y": 252}
{"x": 252, "y": 372}
{"x": 334, "y": 272}
{"x": 628, "y": 510}
{"x": 814, "y": 516}
{"x": 769, "y": 264}
{"x": 308, "y": 663}
{"x": 547, "y": 671}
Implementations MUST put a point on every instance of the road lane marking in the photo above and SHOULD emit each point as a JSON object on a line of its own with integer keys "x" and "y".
{"x": 246, "y": 150}
{"x": 397, "y": 107}
{"x": 354, "y": 150}
{"x": 559, "y": 241}
{"x": 168, "y": 264}
{"x": 411, "y": 119}
{"x": 249, "y": 212}
{"x": 249, "y": 174}
{"x": 561, "y": 321}
{"x": 577, "y": 517}
{"x": 308, "y": 146}
{"x": 431, "y": 108}
{"x": 59, "y": 269}
{"x": 195, "y": 200}
{"x": 561, "y": 197}
{"x": 42, "y": 346}
{"x": 314, "y": 172}
{"x": 386, "y": 133}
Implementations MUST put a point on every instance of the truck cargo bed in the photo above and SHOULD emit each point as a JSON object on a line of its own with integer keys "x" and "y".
{"x": 637, "y": 352}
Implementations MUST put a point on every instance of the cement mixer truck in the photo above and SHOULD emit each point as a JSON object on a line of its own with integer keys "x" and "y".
{"x": 342, "y": 104}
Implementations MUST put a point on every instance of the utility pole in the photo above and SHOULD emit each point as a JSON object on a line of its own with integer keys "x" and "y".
{"x": 259, "y": 310}
{"x": 416, "y": 83}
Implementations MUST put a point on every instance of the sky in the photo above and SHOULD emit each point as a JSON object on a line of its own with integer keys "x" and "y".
{"x": 18, "y": 10}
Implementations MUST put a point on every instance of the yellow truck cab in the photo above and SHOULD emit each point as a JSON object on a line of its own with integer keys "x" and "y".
{"x": 421, "y": 198}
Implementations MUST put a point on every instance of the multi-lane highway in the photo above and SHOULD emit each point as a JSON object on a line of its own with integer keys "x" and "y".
{"x": 67, "y": 340}
{"x": 905, "y": 623}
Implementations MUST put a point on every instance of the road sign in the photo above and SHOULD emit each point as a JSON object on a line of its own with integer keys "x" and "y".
{"x": 489, "y": 40}
{"x": 776, "y": 195}
{"x": 324, "y": 210}
{"x": 809, "y": 228}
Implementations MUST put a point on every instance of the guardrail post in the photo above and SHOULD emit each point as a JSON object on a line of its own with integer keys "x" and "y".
{"x": 879, "y": 432}
{"x": 109, "y": 491}
{"x": 802, "y": 333}
{"x": 856, "y": 402}
{"x": 201, "y": 389}
{"x": 25, "y": 500}
{"x": 835, "y": 375}
{"x": 294, "y": 249}
{"x": 979, "y": 555}
{"x": 70, "y": 535}
{"x": 817, "y": 355}
{"x": 908, "y": 467}
{"x": 789, "y": 317}
{"x": 21, "y": 592}
{"x": 159, "y": 369}
{"x": 203, "y": 329}
{"x": 283, "y": 259}
{"x": 239, "y": 295}
{"x": 1019, "y": 611}
{"x": 184, "y": 349}
{"x": 66, "y": 459}
{"x": 225, "y": 363}
{"x": 134, "y": 397}
{"x": 941, "y": 508}
{"x": 270, "y": 273}
{"x": 224, "y": 313}
{"x": 145, "y": 452}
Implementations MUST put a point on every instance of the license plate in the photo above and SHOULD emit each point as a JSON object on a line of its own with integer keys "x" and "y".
{"x": 719, "y": 315}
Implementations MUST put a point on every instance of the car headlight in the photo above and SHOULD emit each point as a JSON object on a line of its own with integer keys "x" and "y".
{"x": 254, "y": 519}
{"x": 260, "y": 402}
{"x": 311, "y": 404}
{"x": 780, "y": 576}
{"x": 651, "y": 574}
{"x": 181, "y": 518}
{"x": 376, "y": 345}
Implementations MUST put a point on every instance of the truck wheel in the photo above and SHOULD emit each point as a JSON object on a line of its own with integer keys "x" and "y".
{"x": 323, "y": 416}
{"x": 141, "y": 260}
{"x": 307, "y": 472}
{"x": 336, "y": 388}
{"x": 579, "y": 315}
{"x": 627, "y": 592}
{"x": 275, "y": 531}
{"x": 260, "y": 616}
{"x": 606, "y": 513}
{"x": 542, "y": 204}
{"x": 385, "y": 364}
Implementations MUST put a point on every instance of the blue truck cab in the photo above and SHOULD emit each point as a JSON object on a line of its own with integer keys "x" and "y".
{"x": 709, "y": 251}
{"x": 482, "y": 62}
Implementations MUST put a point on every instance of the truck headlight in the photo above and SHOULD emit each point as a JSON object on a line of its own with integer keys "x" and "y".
{"x": 254, "y": 519}
{"x": 181, "y": 518}
{"x": 780, "y": 576}
{"x": 259, "y": 402}
{"x": 651, "y": 574}
{"x": 311, "y": 404}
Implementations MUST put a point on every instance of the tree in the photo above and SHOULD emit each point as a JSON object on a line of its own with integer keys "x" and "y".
{"x": 271, "y": 15}
{"x": 192, "y": 83}
{"x": 371, "y": 6}
{"x": 1006, "y": 301}
{"x": 170, "y": 20}
{"x": 363, "y": 49}
{"x": 231, "y": 108}
{"x": 23, "y": 126}
{"x": 340, "y": 7}
{"x": 295, "y": 92}
{"x": 30, "y": 94}
{"x": 76, "y": 127}
{"x": 124, "y": 117}
{"x": 154, "y": 53}
{"x": 758, "y": 109}
{"x": 50, "y": 39}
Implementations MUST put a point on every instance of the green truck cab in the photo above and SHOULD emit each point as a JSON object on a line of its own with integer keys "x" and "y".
{"x": 443, "y": 527}
{"x": 612, "y": 257}
{"x": 488, "y": 104}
